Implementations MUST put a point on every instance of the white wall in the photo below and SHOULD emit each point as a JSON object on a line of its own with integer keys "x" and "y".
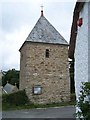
{"x": 89, "y": 42}
{"x": 81, "y": 51}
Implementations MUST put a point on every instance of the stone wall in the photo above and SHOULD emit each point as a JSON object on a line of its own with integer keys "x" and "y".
{"x": 52, "y": 73}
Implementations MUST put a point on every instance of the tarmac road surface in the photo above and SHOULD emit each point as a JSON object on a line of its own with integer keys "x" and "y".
{"x": 56, "y": 112}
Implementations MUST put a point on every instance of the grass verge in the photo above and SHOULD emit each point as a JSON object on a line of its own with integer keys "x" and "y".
{"x": 6, "y": 106}
{"x": 10, "y": 102}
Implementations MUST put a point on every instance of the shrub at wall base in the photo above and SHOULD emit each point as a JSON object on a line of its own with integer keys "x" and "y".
{"x": 84, "y": 102}
{"x": 18, "y": 98}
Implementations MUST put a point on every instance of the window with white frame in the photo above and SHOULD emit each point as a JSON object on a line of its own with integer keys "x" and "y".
{"x": 37, "y": 90}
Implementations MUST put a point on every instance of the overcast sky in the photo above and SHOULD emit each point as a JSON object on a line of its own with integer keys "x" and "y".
{"x": 17, "y": 19}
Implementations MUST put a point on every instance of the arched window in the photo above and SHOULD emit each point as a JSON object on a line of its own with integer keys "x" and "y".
{"x": 47, "y": 53}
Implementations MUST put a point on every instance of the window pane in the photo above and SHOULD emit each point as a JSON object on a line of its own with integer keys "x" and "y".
{"x": 37, "y": 90}
{"x": 47, "y": 53}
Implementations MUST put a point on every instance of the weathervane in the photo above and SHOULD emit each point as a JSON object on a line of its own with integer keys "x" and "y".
{"x": 42, "y": 7}
{"x": 41, "y": 10}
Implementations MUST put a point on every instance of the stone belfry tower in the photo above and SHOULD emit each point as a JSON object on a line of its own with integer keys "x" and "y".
{"x": 44, "y": 69}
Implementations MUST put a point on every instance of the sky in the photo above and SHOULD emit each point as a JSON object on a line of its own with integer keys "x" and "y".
{"x": 17, "y": 19}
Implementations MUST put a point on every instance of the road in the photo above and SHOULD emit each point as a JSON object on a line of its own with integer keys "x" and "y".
{"x": 60, "y": 112}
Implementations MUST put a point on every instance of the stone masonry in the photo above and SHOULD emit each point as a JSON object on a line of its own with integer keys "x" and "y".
{"x": 52, "y": 73}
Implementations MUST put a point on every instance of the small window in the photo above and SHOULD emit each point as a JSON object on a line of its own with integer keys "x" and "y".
{"x": 37, "y": 90}
{"x": 47, "y": 53}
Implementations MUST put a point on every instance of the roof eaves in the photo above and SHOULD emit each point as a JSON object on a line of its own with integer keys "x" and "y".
{"x": 22, "y": 46}
{"x": 28, "y": 41}
{"x": 78, "y": 7}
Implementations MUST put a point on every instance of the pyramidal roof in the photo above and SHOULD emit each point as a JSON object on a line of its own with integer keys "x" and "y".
{"x": 44, "y": 32}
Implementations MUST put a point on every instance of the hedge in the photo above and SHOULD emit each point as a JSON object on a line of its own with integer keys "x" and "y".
{"x": 17, "y": 98}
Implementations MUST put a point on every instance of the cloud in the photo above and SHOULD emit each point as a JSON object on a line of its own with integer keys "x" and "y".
{"x": 39, "y": 1}
{"x": 15, "y": 15}
{"x": 11, "y": 44}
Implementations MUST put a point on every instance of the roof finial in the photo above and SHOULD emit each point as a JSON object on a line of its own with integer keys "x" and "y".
{"x": 41, "y": 10}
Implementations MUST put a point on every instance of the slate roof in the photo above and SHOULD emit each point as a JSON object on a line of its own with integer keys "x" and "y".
{"x": 44, "y": 32}
{"x": 8, "y": 88}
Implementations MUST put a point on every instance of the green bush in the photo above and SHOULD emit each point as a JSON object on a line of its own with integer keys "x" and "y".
{"x": 17, "y": 98}
{"x": 84, "y": 102}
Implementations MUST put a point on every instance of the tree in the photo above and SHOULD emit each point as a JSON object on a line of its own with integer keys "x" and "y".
{"x": 84, "y": 102}
{"x": 12, "y": 76}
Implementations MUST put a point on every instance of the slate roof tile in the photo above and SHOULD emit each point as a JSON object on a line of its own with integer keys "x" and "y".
{"x": 44, "y": 32}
